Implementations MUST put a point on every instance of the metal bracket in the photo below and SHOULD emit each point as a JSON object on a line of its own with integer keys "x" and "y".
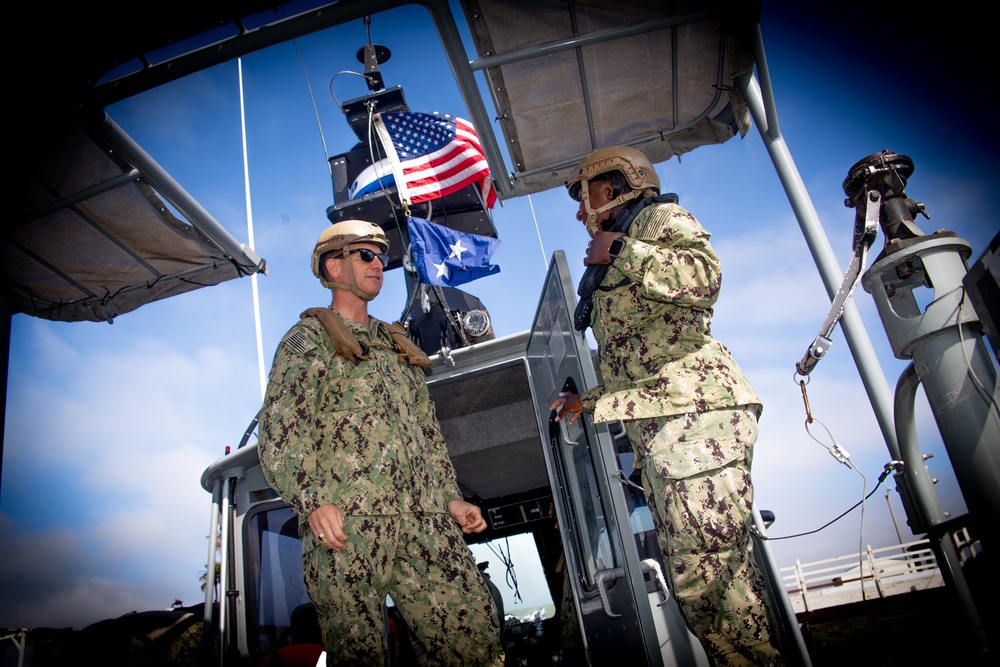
{"x": 864, "y": 236}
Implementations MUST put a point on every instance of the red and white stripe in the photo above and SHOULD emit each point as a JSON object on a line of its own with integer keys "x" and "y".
{"x": 449, "y": 169}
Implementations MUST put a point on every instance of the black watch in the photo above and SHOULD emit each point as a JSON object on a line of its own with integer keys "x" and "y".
{"x": 616, "y": 247}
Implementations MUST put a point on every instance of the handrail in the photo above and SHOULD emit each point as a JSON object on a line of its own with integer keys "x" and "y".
{"x": 881, "y": 572}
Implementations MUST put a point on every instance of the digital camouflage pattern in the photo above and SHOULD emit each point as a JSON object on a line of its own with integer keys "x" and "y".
{"x": 423, "y": 562}
{"x": 360, "y": 435}
{"x": 691, "y": 417}
{"x": 364, "y": 435}
{"x": 701, "y": 509}
{"x": 657, "y": 355}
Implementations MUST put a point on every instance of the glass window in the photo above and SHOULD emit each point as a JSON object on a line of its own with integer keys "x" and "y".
{"x": 274, "y": 562}
{"x": 638, "y": 511}
{"x": 586, "y": 499}
{"x": 514, "y": 567}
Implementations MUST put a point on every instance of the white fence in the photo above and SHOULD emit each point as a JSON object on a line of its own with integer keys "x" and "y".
{"x": 902, "y": 568}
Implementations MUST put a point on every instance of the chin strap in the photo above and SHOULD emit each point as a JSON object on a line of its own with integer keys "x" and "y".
{"x": 592, "y": 215}
{"x": 353, "y": 287}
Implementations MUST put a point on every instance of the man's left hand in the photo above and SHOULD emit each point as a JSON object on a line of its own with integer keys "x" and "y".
{"x": 467, "y": 515}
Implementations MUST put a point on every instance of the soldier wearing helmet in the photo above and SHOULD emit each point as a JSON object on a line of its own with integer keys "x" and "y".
{"x": 627, "y": 171}
{"x": 651, "y": 282}
{"x": 349, "y": 438}
{"x": 343, "y": 239}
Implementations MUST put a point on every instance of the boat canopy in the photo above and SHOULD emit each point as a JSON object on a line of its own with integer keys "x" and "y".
{"x": 570, "y": 77}
{"x": 97, "y": 234}
{"x": 101, "y": 229}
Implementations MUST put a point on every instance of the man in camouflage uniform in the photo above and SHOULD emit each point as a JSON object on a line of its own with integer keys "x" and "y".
{"x": 689, "y": 412}
{"x": 349, "y": 438}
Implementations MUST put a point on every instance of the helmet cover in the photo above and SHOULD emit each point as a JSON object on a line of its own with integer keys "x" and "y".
{"x": 631, "y": 162}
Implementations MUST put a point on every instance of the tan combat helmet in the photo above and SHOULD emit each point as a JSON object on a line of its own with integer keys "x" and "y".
{"x": 631, "y": 162}
{"x": 341, "y": 236}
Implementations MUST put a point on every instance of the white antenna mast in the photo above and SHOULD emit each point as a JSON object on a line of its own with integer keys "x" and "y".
{"x": 253, "y": 278}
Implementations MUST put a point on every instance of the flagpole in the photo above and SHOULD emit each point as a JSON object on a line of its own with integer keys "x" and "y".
{"x": 397, "y": 169}
{"x": 253, "y": 277}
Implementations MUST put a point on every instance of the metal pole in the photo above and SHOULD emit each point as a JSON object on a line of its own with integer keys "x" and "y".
{"x": 862, "y": 351}
{"x": 895, "y": 525}
{"x": 955, "y": 368}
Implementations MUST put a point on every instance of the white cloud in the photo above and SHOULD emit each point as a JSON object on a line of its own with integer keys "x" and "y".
{"x": 114, "y": 436}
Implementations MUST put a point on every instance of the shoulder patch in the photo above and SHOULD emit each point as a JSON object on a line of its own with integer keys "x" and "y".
{"x": 651, "y": 228}
{"x": 298, "y": 342}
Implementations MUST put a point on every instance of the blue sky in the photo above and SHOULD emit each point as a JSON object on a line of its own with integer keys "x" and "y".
{"x": 109, "y": 427}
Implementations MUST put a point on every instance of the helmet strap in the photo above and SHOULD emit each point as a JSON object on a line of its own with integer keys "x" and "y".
{"x": 352, "y": 287}
{"x": 592, "y": 215}
{"x": 591, "y": 220}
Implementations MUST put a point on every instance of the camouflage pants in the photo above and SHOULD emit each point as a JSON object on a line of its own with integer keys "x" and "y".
{"x": 422, "y": 561}
{"x": 696, "y": 475}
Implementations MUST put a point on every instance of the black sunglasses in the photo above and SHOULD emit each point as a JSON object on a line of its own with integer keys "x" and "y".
{"x": 367, "y": 256}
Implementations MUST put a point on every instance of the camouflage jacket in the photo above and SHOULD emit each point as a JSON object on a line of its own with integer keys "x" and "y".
{"x": 362, "y": 435}
{"x": 652, "y": 322}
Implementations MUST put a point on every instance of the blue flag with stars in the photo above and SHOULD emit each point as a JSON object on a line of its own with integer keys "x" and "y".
{"x": 445, "y": 257}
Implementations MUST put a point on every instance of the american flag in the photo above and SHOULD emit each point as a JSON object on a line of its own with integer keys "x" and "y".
{"x": 437, "y": 155}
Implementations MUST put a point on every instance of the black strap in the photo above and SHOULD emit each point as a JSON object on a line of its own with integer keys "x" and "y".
{"x": 594, "y": 274}
{"x": 612, "y": 288}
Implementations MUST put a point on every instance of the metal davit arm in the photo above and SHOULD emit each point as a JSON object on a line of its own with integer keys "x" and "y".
{"x": 879, "y": 393}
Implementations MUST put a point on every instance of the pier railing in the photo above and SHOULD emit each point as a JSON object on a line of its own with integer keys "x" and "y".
{"x": 901, "y": 568}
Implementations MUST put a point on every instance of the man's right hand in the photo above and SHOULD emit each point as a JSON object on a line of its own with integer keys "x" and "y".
{"x": 597, "y": 249}
{"x": 567, "y": 404}
{"x": 327, "y": 524}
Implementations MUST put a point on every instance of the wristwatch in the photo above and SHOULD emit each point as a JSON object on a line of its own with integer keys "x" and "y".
{"x": 616, "y": 247}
